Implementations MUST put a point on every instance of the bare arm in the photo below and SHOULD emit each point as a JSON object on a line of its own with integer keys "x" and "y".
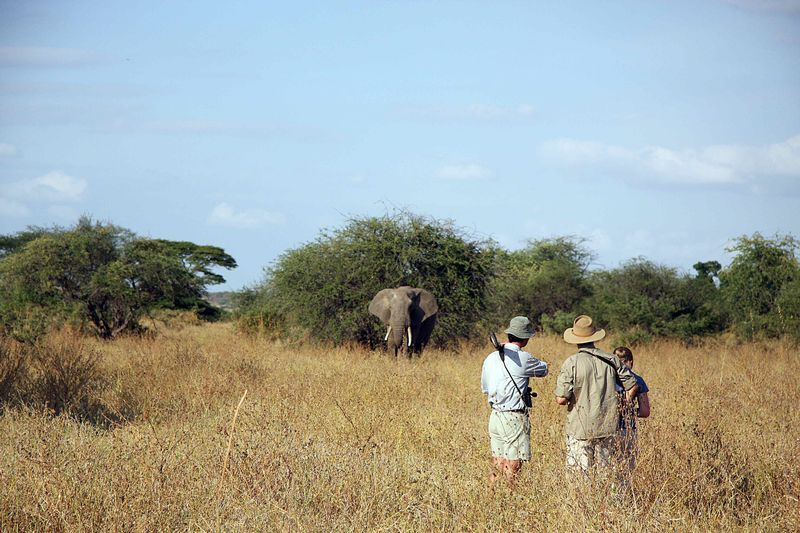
{"x": 644, "y": 406}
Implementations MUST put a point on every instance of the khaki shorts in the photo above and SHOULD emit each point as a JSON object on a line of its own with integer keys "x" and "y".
{"x": 510, "y": 435}
{"x": 585, "y": 454}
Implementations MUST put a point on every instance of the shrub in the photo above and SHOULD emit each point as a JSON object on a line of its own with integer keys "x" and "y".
{"x": 648, "y": 299}
{"x": 65, "y": 373}
{"x": 788, "y": 309}
{"x": 545, "y": 278}
{"x": 752, "y": 284}
{"x": 12, "y": 369}
{"x": 325, "y": 286}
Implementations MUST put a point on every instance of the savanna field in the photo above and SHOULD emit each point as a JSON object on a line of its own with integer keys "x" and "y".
{"x": 348, "y": 439}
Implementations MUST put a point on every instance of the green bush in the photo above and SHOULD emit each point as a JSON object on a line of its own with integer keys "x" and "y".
{"x": 647, "y": 299}
{"x": 787, "y": 307}
{"x": 752, "y": 285}
{"x": 558, "y": 321}
{"x": 323, "y": 288}
{"x": 547, "y": 277}
{"x": 101, "y": 276}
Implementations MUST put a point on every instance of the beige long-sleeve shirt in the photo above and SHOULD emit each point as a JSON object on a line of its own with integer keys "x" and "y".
{"x": 588, "y": 384}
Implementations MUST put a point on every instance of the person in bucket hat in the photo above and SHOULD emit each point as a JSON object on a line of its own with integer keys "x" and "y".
{"x": 504, "y": 379}
{"x": 586, "y": 386}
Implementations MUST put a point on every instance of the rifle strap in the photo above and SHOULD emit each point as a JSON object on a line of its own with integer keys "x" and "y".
{"x": 609, "y": 363}
{"x": 501, "y": 353}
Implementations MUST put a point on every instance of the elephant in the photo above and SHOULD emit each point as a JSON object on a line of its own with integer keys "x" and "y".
{"x": 409, "y": 312}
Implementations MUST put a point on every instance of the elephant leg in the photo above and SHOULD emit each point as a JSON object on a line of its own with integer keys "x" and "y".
{"x": 424, "y": 334}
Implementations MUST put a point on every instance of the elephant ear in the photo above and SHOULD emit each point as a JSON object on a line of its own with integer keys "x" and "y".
{"x": 427, "y": 302}
{"x": 379, "y": 306}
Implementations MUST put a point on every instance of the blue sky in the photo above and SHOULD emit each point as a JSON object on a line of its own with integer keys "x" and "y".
{"x": 660, "y": 129}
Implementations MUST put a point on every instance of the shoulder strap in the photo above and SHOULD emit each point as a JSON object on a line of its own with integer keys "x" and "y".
{"x": 501, "y": 353}
{"x": 609, "y": 363}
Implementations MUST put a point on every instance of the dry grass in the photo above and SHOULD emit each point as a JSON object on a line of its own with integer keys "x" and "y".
{"x": 339, "y": 439}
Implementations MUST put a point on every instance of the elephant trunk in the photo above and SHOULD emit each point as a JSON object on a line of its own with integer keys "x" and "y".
{"x": 395, "y": 336}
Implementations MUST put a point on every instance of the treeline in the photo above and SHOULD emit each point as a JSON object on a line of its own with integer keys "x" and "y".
{"x": 321, "y": 289}
{"x": 101, "y": 278}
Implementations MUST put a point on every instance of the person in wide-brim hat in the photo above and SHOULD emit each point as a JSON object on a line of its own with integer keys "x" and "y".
{"x": 583, "y": 331}
{"x": 586, "y": 385}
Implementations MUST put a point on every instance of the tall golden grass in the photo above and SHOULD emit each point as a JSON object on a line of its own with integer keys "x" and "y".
{"x": 346, "y": 439}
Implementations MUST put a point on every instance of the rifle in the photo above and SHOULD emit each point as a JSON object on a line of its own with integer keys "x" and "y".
{"x": 526, "y": 398}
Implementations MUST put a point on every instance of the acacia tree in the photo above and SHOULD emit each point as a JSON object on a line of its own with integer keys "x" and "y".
{"x": 102, "y": 275}
{"x": 325, "y": 286}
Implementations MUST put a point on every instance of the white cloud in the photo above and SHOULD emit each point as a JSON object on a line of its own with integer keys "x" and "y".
{"x": 52, "y": 190}
{"x": 53, "y": 187}
{"x": 712, "y": 165}
{"x": 470, "y": 172}
{"x": 7, "y": 150}
{"x": 226, "y": 215}
{"x": 29, "y": 56}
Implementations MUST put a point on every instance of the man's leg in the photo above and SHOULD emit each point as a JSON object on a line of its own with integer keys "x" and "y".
{"x": 580, "y": 455}
{"x": 498, "y": 446}
{"x": 511, "y": 468}
{"x": 511, "y": 444}
{"x": 496, "y": 470}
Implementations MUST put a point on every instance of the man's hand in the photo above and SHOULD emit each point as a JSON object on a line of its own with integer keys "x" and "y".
{"x": 560, "y": 400}
{"x": 631, "y": 393}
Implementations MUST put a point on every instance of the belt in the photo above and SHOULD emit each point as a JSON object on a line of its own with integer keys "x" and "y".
{"x": 523, "y": 411}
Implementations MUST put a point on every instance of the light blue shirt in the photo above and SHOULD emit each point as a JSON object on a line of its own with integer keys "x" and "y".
{"x": 496, "y": 383}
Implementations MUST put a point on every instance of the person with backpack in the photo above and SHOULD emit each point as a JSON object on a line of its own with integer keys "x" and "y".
{"x": 586, "y": 386}
{"x": 504, "y": 379}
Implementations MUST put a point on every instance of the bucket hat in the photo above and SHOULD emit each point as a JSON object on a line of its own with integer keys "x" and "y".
{"x": 583, "y": 330}
{"x": 520, "y": 327}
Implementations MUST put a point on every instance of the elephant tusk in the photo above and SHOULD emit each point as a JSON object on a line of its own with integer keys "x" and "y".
{"x": 386, "y": 338}
{"x": 409, "y": 336}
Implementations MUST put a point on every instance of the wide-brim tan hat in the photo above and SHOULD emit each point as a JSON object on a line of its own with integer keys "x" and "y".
{"x": 583, "y": 331}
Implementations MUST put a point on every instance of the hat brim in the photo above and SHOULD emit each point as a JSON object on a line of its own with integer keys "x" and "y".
{"x": 520, "y": 334}
{"x": 571, "y": 338}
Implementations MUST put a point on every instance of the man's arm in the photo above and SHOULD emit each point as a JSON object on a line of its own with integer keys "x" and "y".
{"x": 644, "y": 406}
{"x": 627, "y": 378}
{"x": 565, "y": 383}
{"x": 535, "y": 368}
{"x": 484, "y": 384}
